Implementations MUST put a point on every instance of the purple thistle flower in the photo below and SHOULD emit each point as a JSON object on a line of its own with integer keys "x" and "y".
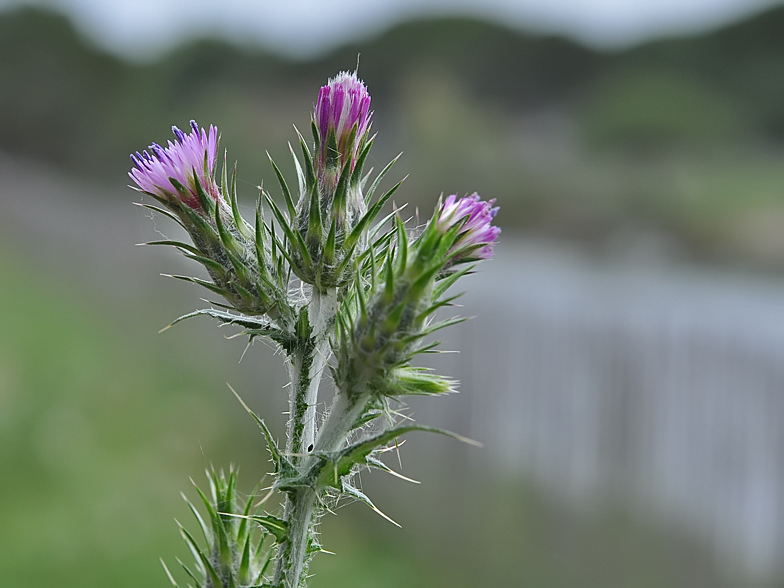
{"x": 342, "y": 103}
{"x": 153, "y": 172}
{"x": 477, "y": 235}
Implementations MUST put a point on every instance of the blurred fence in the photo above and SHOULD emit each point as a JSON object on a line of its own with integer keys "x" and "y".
{"x": 661, "y": 386}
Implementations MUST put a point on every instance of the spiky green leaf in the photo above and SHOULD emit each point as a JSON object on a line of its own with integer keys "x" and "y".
{"x": 278, "y": 527}
{"x": 284, "y": 188}
{"x": 379, "y": 177}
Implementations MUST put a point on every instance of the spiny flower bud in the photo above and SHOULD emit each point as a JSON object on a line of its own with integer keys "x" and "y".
{"x": 392, "y": 318}
{"x": 343, "y": 104}
{"x": 341, "y": 120}
{"x": 331, "y": 214}
{"x": 477, "y": 235}
{"x": 388, "y": 328}
{"x": 171, "y": 173}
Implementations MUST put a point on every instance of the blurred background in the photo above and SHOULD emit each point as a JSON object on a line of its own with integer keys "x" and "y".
{"x": 625, "y": 369}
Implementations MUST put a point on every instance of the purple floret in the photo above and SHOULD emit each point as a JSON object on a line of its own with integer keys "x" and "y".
{"x": 477, "y": 235}
{"x": 179, "y": 161}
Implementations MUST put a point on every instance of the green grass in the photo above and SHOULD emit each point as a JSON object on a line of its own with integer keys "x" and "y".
{"x": 102, "y": 421}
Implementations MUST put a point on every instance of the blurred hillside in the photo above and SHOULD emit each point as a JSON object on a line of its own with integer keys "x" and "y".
{"x": 677, "y": 143}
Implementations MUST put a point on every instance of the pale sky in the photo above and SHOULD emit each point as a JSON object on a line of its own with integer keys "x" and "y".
{"x": 144, "y": 28}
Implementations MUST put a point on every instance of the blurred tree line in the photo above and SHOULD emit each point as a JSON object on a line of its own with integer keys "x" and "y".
{"x": 572, "y": 141}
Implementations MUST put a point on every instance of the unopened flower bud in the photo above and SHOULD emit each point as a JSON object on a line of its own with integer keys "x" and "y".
{"x": 331, "y": 207}
{"x": 342, "y": 118}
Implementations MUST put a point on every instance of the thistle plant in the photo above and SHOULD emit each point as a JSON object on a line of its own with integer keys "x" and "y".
{"x": 335, "y": 285}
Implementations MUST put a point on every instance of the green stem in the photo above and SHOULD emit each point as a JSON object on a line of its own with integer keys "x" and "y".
{"x": 342, "y": 416}
{"x": 294, "y": 555}
{"x": 306, "y": 368}
{"x": 300, "y": 503}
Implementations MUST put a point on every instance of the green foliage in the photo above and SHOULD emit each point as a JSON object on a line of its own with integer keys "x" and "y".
{"x": 235, "y": 556}
{"x": 651, "y": 111}
{"x": 336, "y": 466}
{"x": 245, "y": 264}
{"x": 57, "y": 91}
{"x": 381, "y": 329}
{"x": 322, "y": 251}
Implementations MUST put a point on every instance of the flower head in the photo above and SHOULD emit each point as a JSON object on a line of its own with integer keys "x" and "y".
{"x": 477, "y": 235}
{"x": 342, "y": 104}
{"x": 171, "y": 173}
{"x": 331, "y": 205}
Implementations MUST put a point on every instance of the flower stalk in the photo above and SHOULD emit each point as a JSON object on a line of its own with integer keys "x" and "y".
{"x": 333, "y": 287}
{"x": 306, "y": 367}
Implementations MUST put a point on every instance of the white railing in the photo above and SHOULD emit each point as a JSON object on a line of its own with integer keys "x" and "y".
{"x": 664, "y": 386}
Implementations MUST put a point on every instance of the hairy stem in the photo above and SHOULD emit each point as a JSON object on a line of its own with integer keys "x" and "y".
{"x": 305, "y": 370}
{"x": 300, "y": 504}
{"x": 341, "y": 420}
{"x": 294, "y": 554}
